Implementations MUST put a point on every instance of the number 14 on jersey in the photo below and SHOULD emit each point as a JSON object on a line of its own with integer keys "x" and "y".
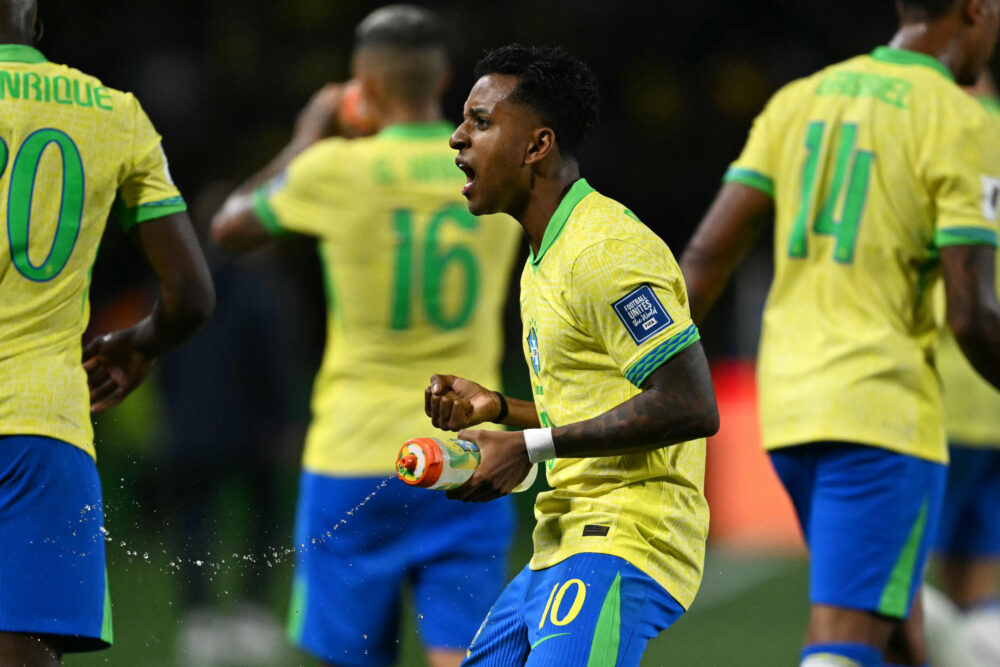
{"x": 851, "y": 167}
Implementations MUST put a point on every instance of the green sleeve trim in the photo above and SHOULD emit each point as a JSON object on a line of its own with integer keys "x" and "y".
{"x": 660, "y": 354}
{"x": 749, "y": 177}
{"x": 965, "y": 236}
{"x": 132, "y": 216}
{"x": 265, "y": 214}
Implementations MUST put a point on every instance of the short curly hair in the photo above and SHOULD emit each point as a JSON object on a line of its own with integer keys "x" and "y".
{"x": 554, "y": 83}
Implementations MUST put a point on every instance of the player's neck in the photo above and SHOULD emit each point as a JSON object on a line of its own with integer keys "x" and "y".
{"x": 547, "y": 192}
{"x": 421, "y": 113}
{"x": 10, "y": 36}
{"x": 936, "y": 39}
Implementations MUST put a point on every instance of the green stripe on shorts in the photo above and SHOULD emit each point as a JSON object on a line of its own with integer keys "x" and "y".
{"x": 896, "y": 594}
{"x": 297, "y": 610}
{"x": 607, "y": 632}
{"x": 107, "y": 631}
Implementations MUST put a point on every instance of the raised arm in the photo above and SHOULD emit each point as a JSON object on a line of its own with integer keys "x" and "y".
{"x": 118, "y": 362}
{"x": 973, "y": 312}
{"x": 237, "y": 226}
{"x": 725, "y": 235}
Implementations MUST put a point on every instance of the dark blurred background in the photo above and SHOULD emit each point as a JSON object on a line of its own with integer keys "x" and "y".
{"x": 223, "y": 81}
{"x": 680, "y": 83}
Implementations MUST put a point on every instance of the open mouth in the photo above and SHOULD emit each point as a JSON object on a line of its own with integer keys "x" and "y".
{"x": 470, "y": 175}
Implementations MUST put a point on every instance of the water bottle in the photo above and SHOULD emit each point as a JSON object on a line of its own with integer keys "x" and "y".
{"x": 433, "y": 463}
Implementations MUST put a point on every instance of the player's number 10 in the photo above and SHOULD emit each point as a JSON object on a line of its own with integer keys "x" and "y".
{"x": 559, "y": 616}
{"x": 436, "y": 259}
{"x": 21, "y": 192}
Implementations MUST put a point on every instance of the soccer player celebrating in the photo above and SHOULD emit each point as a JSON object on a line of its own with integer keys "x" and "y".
{"x": 413, "y": 279}
{"x": 69, "y": 146}
{"x": 622, "y": 392}
{"x": 880, "y": 172}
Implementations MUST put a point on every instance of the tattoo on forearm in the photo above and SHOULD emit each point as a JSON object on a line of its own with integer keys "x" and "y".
{"x": 677, "y": 404}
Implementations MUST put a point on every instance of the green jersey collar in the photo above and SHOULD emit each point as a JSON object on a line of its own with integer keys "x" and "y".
{"x": 577, "y": 192}
{"x": 887, "y": 54}
{"x": 21, "y": 53}
{"x": 434, "y": 129}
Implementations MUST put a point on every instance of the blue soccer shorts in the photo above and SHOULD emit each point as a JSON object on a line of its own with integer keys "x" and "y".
{"x": 348, "y": 586}
{"x": 589, "y": 610}
{"x": 53, "y": 578}
{"x": 868, "y": 515}
{"x": 970, "y": 519}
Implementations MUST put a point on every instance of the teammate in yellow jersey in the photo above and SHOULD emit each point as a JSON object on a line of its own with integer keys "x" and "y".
{"x": 69, "y": 146}
{"x": 413, "y": 280}
{"x": 622, "y": 393}
{"x": 967, "y": 547}
{"x": 880, "y": 172}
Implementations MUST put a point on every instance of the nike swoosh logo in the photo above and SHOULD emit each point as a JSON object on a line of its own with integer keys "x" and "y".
{"x": 560, "y": 634}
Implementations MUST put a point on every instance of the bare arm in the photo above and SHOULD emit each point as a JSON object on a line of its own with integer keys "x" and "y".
{"x": 973, "y": 312}
{"x": 118, "y": 362}
{"x": 725, "y": 235}
{"x": 677, "y": 404}
{"x": 236, "y": 226}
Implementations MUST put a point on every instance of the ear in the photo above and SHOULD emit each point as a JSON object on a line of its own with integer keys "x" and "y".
{"x": 372, "y": 89}
{"x": 974, "y": 11}
{"x": 543, "y": 142}
{"x": 445, "y": 81}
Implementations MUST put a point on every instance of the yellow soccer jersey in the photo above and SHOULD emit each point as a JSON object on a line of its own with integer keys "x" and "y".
{"x": 874, "y": 164}
{"x": 69, "y": 147}
{"x": 603, "y": 304}
{"x": 416, "y": 285}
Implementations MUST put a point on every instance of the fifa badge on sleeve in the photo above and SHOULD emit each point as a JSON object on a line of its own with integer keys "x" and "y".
{"x": 642, "y": 314}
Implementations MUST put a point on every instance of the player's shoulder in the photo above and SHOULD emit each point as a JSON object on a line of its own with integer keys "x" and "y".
{"x": 332, "y": 155}
{"x": 86, "y": 85}
{"x": 789, "y": 97}
{"x": 793, "y": 95}
{"x": 606, "y": 229}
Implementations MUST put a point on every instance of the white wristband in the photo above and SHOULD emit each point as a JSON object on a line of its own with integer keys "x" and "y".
{"x": 539, "y": 444}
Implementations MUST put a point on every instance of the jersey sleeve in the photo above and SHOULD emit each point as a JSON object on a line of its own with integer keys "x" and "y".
{"x": 755, "y": 166}
{"x": 314, "y": 184}
{"x": 964, "y": 179}
{"x": 147, "y": 190}
{"x": 634, "y": 303}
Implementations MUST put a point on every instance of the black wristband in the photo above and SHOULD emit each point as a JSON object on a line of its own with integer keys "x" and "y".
{"x": 503, "y": 409}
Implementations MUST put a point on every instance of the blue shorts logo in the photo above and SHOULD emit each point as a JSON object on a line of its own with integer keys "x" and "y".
{"x": 642, "y": 314}
{"x": 533, "y": 349}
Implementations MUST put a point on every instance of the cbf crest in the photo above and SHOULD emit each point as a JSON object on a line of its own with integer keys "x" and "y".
{"x": 533, "y": 350}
